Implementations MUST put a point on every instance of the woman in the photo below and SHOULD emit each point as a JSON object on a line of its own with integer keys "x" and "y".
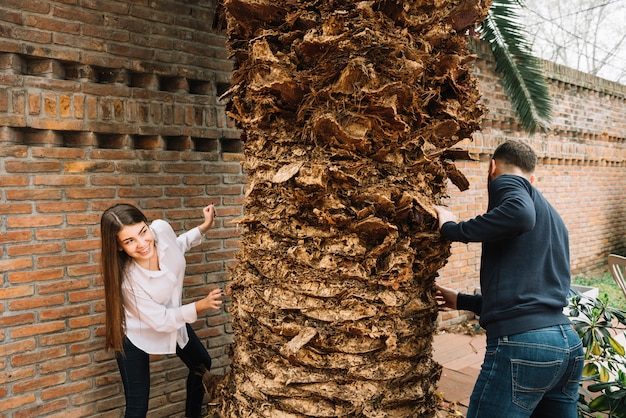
{"x": 143, "y": 268}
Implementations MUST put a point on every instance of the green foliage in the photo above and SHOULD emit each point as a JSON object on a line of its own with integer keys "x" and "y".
{"x": 522, "y": 75}
{"x": 606, "y": 285}
{"x": 603, "y": 386}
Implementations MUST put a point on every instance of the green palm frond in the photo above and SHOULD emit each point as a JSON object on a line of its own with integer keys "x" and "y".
{"x": 522, "y": 75}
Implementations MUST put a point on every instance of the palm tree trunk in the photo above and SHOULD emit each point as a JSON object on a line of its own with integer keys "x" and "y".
{"x": 348, "y": 111}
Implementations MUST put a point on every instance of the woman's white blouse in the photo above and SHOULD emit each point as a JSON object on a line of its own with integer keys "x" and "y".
{"x": 155, "y": 319}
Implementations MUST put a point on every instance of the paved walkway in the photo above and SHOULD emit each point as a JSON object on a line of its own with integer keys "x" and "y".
{"x": 461, "y": 355}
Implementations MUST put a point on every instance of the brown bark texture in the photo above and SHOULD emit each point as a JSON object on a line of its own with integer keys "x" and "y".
{"x": 349, "y": 112}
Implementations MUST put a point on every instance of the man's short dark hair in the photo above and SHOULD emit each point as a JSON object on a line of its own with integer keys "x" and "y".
{"x": 517, "y": 153}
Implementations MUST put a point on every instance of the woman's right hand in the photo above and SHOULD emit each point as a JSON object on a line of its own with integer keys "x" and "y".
{"x": 209, "y": 217}
{"x": 212, "y": 301}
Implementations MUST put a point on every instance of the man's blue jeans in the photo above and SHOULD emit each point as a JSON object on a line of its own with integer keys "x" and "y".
{"x": 134, "y": 367}
{"x": 531, "y": 374}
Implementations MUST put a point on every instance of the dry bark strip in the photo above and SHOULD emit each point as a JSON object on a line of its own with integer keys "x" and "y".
{"x": 350, "y": 111}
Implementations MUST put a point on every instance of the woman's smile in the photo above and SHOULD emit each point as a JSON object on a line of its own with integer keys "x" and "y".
{"x": 137, "y": 241}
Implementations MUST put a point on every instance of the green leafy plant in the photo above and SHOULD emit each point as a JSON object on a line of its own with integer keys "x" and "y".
{"x": 606, "y": 284}
{"x": 603, "y": 386}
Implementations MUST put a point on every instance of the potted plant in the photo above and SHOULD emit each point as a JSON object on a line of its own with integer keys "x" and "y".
{"x": 603, "y": 386}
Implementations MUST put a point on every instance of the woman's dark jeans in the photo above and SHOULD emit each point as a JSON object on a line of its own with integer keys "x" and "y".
{"x": 134, "y": 367}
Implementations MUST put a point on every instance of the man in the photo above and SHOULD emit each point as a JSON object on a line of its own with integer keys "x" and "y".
{"x": 534, "y": 358}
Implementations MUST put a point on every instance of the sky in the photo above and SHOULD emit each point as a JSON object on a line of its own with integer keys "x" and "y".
{"x": 588, "y": 35}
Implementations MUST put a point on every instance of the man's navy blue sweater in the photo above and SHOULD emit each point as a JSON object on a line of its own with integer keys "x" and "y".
{"x": 525, "y": 270}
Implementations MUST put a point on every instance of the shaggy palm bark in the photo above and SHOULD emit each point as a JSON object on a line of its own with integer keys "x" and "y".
{"x": 349, "y": 111}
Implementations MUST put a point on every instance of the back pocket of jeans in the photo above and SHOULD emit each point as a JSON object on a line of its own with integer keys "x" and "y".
{"x": 531, "y": 379}
{"x": 573, "y": 382}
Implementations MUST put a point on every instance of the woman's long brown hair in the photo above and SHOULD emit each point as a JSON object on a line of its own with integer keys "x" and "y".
{"x": 114, "y": 264}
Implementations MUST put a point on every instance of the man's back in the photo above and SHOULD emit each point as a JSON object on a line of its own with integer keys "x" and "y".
{"x": 525, "y": 277}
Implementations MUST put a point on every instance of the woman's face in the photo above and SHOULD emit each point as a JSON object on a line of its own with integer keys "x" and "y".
{"x": 137, "y": 241}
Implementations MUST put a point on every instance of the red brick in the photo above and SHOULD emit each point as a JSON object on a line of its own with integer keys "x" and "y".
{"x": 7, "y": 349}
{"x": 92, "y": 370}
{"x": 138, "y": 167}
{"x": 32, "y": 166}
{"x": 92, "y": 193}
{"x": 75, "y": 412}
{"x": 74, "y": 14}
{"x": 52, "y": 85}
{"x": 95, "y": 345}
{"x": 34, "y": 104}
{"x": 34, "y": 194}
{"x": 19, "y": 250}
{"x": 92, "y": 107}
{"x": 34, "y": 221}
{"x": 58, "y": 153}
{"x": 51, "y": 261}
{"x": 53, "y": 25}
{"x": 30, "y": 35}
{"x": 60, "y": 180}
{"x": 50, "y": 105}
{"x": 87, "y": 321}
{"x": 64, "y": 391}
{"x": 137, "y": 192}
{"x": 63, "y": 338}
{"x": 43, "y": 409}
{"x": 35, "y": 302}
{"x": 86, "y": 296}
{"x": 4, "y": 99}
{"x": 15, "y": 264}
{"x": 65, "y": 233}
{"x": 88, "y": 167}
{"x": 79, "y": 106}
{"x": 62, "y": 286}
{"x": 49, "y": 207}
{"x": 19, "y": 360}
{"x": 7, "y": 321}
{"x": 15, "y": 236}
{"x": 106, "y": 91}
{"x": 34, "y": 7}
{"x": 80, "y": 42}
{"x": 85, "y": 270}
{"x": 17, "y": 401}
{"x": 39, "y": 329}
{"x": 11, "y": 17}
{"x": 66, "y": 363}
{"x": 41, "y": 275}
{"x": 14, "y": 121}
{"x": 112, "y": 154}
{"x": 39, "y": 383}
{"x": 65, "y": 106}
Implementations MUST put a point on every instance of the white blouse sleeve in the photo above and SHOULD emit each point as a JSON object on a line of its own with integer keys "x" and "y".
{"x": 184, "y": 241}
{"x": 189, "y": 239}
{"x": 158, "y": 317}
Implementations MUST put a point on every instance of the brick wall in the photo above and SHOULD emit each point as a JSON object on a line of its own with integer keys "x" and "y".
{"x": 112, "y": 101}
{"x": 106, "y": 102}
